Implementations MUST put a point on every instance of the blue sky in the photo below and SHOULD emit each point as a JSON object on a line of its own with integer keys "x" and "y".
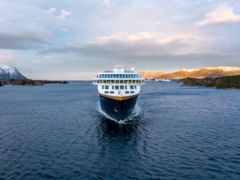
{"x": 75, "y": 39}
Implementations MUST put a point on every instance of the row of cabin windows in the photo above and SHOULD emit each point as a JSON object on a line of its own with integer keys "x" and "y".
{"x": 119, "y": 87}
{"x": 118, "y": 76}
{"x": 119, "y": 81}
{"x": 112, "y": 92}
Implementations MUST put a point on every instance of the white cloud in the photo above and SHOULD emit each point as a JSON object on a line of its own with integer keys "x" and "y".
{"x": 65, "y": 13}
{"x": 128, "y": 38}
{"x": 179, "y": 38}
{"x": 109, "y": 3}
{"x": 52, "y": 9}
{"x": 222, "y": 14}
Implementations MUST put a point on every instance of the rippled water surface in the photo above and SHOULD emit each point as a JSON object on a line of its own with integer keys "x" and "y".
{"x": 57, "y": 132}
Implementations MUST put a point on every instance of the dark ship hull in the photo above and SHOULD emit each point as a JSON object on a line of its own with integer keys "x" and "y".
{"x": 118, "y": 108}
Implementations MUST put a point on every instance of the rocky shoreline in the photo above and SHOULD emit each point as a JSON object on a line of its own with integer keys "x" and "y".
{"x": 225, "y": 82}
{"x": 29, "y": 82}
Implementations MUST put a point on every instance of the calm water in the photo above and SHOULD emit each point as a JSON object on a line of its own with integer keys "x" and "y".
{"x": 56, "y": 132}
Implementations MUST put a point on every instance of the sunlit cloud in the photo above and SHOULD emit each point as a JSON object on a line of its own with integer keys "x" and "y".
{"x": 222, "y": 14}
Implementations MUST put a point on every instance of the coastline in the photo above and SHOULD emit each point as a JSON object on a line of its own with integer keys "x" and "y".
{"x": 29, "y": 82}
{"x": 225, "y": 82}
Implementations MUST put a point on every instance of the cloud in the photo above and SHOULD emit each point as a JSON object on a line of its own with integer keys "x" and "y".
{"x": 139, "y": 45}
{"x": 52, "y": 9}
{"x": 25, "y": 27}
{"x": 14, "y": 37}
{"x": 65, "y": 13}
{"x": 180, "y": 38}
{"x": 222, "y": 14}
{"x": 109, "y": 3}
{"x": 123, "y": 37}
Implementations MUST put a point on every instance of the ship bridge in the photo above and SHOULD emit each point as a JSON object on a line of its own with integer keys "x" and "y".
{"x": 118, "y": 82}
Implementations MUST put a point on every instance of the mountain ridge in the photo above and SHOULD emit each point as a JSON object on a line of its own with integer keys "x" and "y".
{"x": 195, "y": 73}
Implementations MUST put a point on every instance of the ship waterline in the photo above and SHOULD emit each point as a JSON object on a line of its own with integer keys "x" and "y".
{"x": 118, "y": 92}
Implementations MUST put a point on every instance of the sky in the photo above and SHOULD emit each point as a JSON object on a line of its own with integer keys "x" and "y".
{"x": 74, "y": 39}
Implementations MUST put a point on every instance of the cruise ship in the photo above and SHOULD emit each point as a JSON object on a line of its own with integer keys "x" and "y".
{"x": 118, "y": 91}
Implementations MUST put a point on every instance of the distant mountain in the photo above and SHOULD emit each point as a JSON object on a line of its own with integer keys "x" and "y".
{"x": 150, "y": 74}
{"x": 8, "y": 72}
{"x": 200, "y": 73}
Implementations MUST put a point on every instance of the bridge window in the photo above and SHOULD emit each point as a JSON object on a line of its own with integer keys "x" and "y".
{"x": 121, "y": 75}
{"x": 124, "y": 75}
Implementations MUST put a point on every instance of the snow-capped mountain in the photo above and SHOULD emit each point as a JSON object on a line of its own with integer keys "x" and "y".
{"x": 223, "y": 68}
{"x": 198, "y": 73}
{"x": 8, "y": 72}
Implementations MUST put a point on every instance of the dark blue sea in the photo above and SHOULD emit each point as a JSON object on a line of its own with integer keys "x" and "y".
{"x": 56, "y": 132}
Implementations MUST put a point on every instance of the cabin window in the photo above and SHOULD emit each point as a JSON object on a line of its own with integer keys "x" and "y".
{"x": 117, "y": 87}
{"x": 125, "y": 87}
{"x": 102, "y": 87}
{"x": 111, "y": 92}
{"x": 121, "y": 87}
{"x": 121, "y": 81}
{"x": 130, "y": 81}
{"x": 125, "y": 81}
{"x": 127, "y": 92}
{"x": 112, "y": 81}
{"x": 106, "y": 87}
{"x": 117, "y": 81}
{"x": 111, "y": 76}
{"x": 132, "y": 92}
{"x": 124, "y": 75}
{"x": 117, "y": 76}
{"x": 104, "y": 81}
{"x": 131, "y": 87}
{"x": 112, "y": 87}
{"x": 133, "y": 81}
{"x": 135, "y": 87}
{"x": 108, "y": 81}
{"x": 120, "y": 75}
{"x": 106, "y": 92}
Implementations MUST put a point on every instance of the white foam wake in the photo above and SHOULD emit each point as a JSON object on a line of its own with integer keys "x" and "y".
{"x": 136, "y": 112}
